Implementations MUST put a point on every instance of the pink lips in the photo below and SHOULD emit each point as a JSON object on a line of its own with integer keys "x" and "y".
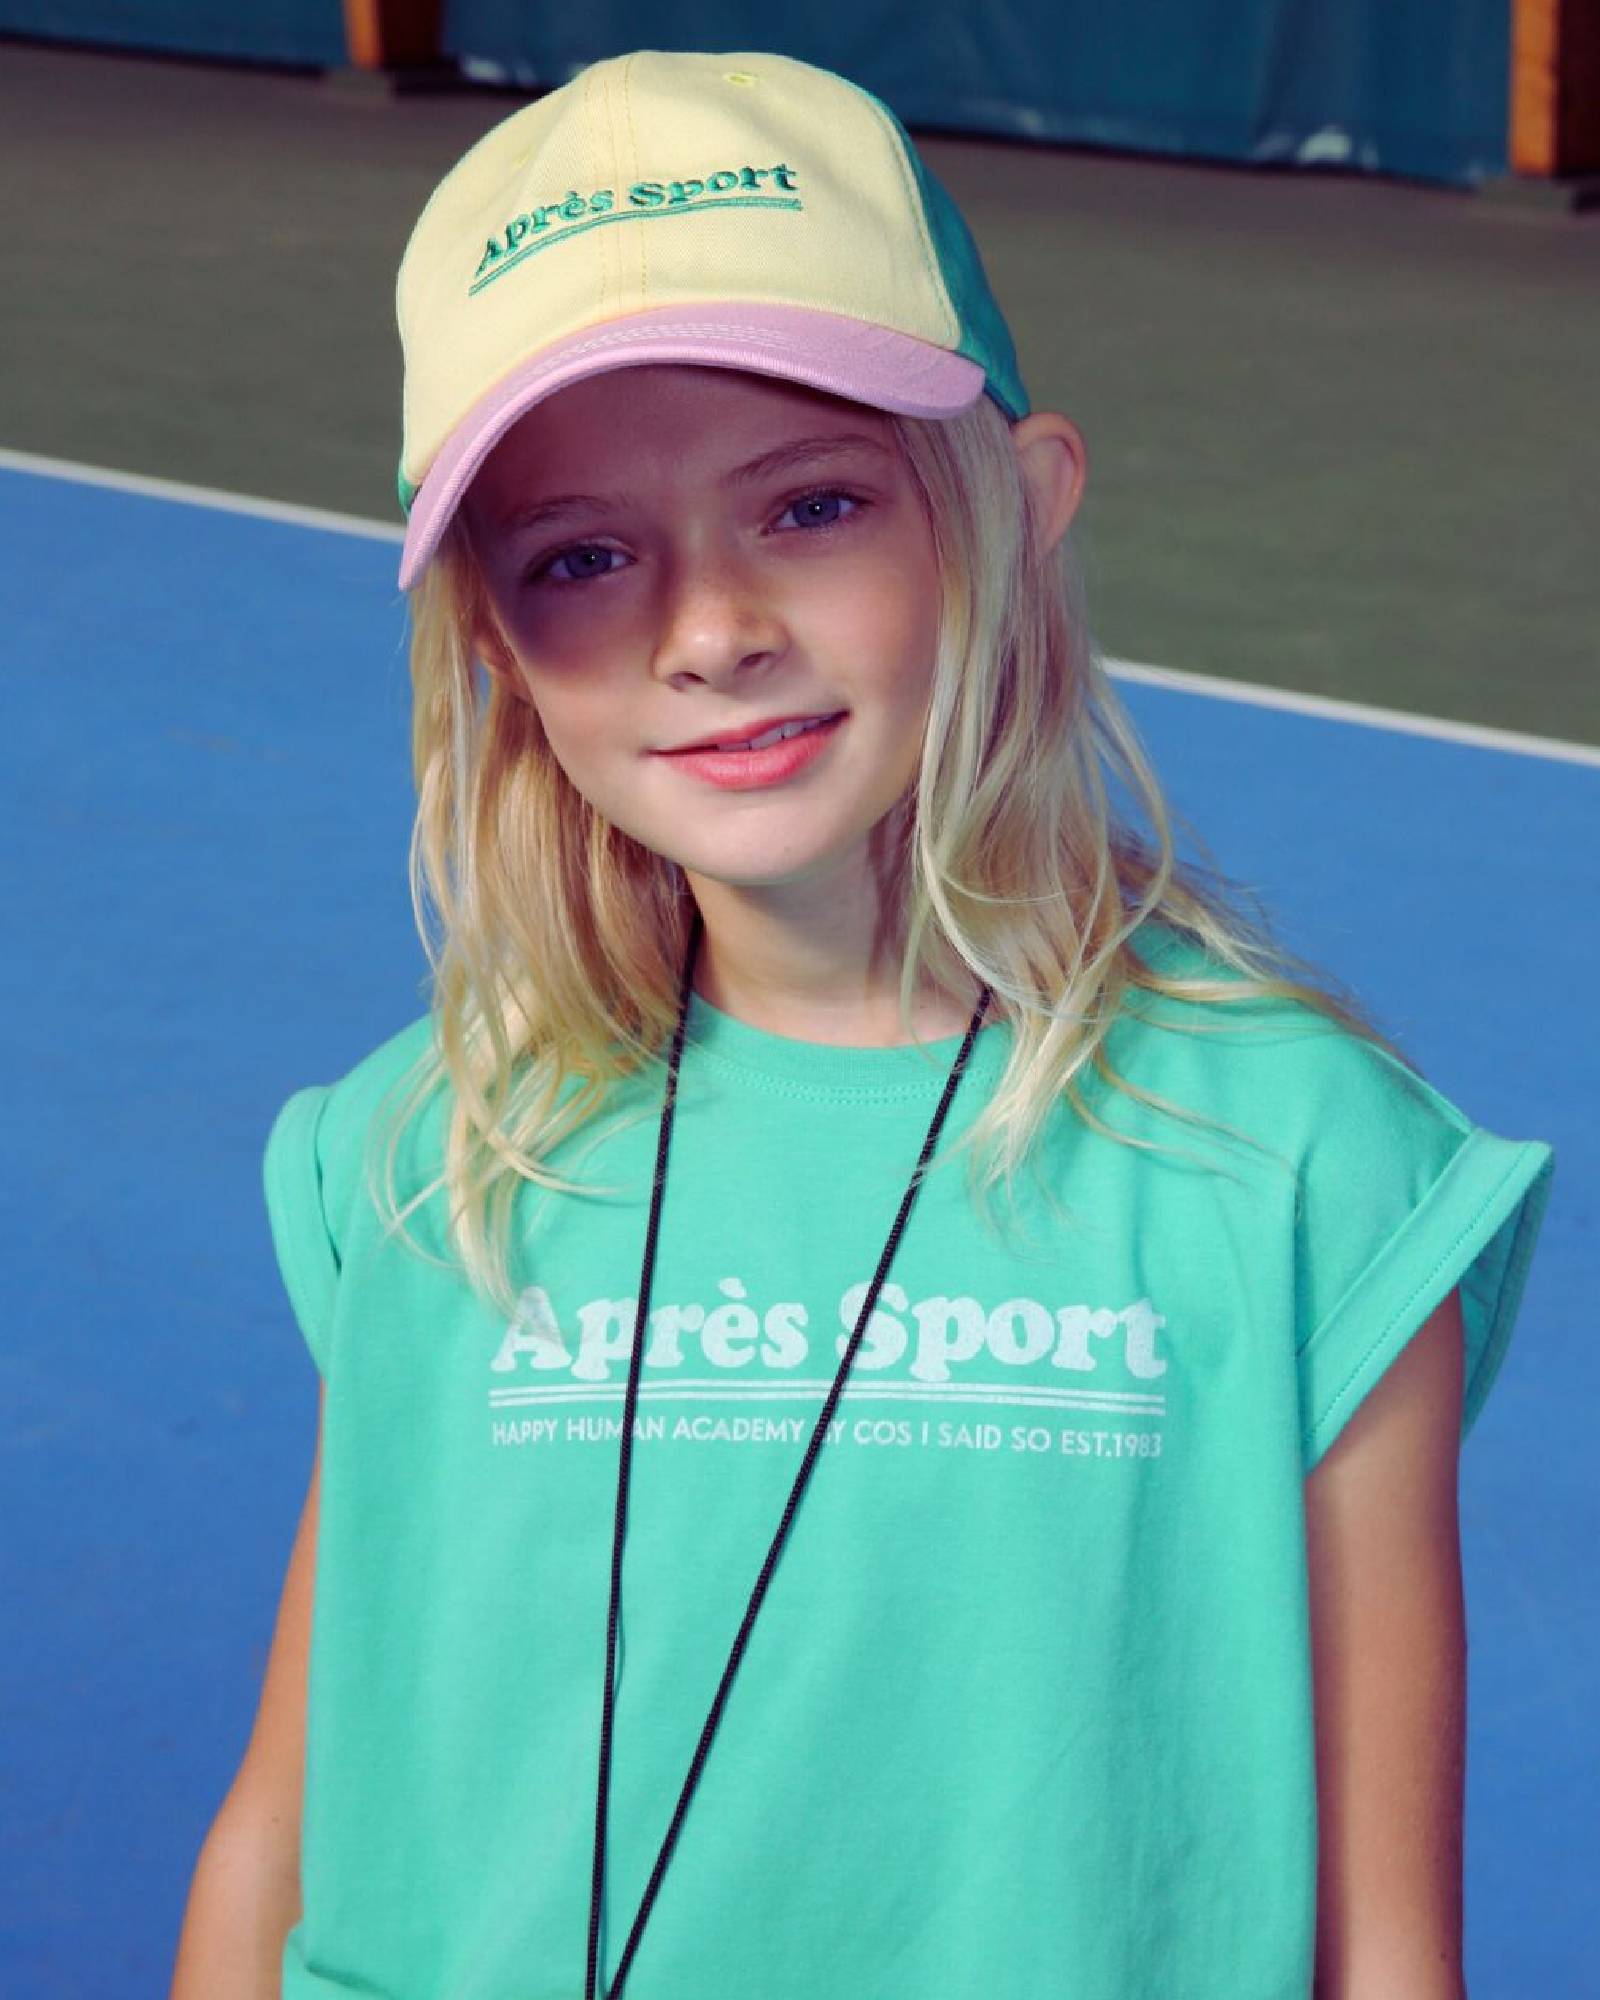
{"x": 745, "y": 770}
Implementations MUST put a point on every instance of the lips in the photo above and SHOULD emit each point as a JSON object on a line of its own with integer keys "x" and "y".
{"x": 757, "y": 770}
{"x": 762, "y": 736}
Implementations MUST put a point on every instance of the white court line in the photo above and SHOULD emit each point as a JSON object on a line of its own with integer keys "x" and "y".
{"x": 200, "y": 496}
{"x": 1179, "y": 680}
{"x": 1401, "y": 720}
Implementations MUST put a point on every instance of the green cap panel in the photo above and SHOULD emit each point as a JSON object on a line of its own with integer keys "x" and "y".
{"x": 985, "y": 336}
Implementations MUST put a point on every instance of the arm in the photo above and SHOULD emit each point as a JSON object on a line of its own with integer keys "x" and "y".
{"x": 245, "y": 1895}
{"x": 1389, "y": 1662}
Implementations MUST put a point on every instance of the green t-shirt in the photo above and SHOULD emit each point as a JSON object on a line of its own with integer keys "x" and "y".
{"x": 1028, "y": 1708}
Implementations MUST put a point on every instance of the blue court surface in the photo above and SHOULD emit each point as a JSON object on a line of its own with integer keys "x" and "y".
{"x": 207, "y": 787}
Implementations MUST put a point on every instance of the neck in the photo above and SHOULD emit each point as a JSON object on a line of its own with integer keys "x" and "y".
{"x": 814, "y": 969}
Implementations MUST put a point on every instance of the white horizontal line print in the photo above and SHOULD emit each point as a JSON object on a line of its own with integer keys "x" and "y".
{"x": 1023, "y": 1395}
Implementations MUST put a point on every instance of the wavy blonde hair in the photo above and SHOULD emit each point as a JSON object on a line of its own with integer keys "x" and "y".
{"x": 556, "y": 940}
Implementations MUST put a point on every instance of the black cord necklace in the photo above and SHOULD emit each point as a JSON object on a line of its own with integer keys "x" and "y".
{"x": 625, "y": 1460}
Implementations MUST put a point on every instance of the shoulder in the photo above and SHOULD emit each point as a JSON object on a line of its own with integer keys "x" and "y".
{"x": 1398, "y": 1195}
{"x": 402, "y": 1057}
{"x": 1295, "y": 1078}
{"x": 331, "y": 1127}
{"x": 315, "y": 1179}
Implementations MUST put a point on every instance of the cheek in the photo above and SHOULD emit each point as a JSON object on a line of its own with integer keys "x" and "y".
{"x": 895, "y": 635}
{"x": 569, "y": 697}
{"x": 578, "y": 728}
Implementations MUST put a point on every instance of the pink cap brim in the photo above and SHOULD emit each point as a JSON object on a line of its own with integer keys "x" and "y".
{"x": 846, "y": 357}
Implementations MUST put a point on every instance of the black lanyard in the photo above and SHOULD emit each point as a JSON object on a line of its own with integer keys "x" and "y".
{"x": 625, "y": 1460}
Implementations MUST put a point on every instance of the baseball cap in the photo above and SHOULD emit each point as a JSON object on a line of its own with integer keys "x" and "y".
{"x": 744, "y": 210}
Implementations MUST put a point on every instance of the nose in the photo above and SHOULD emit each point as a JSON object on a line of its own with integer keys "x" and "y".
{"x": 717, "y": 618}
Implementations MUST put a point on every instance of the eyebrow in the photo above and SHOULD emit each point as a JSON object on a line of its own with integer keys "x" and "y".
{"x": 782, "y": 458}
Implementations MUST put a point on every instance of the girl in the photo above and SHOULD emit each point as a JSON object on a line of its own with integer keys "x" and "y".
{"x": 823, "y": 1495}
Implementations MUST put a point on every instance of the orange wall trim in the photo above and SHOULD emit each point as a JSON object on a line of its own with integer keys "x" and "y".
{"x": 1555, "y": 87}
{"x": 1535, "y": 39}
{"x": 389, "y": 34}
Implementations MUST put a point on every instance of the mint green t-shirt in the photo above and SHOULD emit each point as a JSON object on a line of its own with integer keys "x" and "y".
{"x": 1027, "y": 1711}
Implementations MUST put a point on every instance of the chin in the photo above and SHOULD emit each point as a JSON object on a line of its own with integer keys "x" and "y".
{"x": 760, "y": 858}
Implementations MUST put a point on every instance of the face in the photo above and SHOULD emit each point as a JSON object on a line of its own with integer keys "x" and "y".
{"x": 699, "y": 593}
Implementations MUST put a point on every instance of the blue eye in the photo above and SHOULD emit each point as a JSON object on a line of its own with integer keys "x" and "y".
{"x": 579, "y": 549}
{"x": 821, "y": 498}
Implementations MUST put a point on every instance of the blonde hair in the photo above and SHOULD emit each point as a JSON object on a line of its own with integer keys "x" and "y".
{"x": 556, "y": 940}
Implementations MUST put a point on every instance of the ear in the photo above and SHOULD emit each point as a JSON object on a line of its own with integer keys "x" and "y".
{"x": 489, "y": 645}
{"x": 1055, "y": 466}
